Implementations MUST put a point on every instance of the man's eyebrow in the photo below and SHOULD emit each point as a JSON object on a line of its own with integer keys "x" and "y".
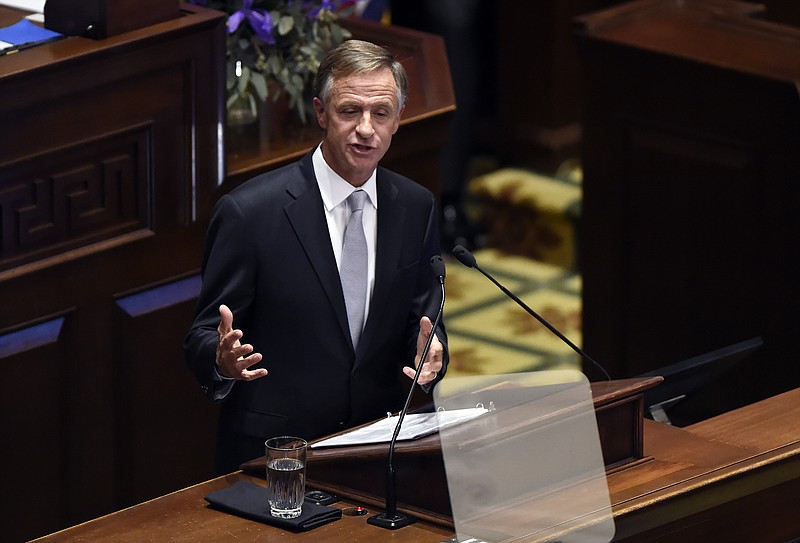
{"x": 386, "y": 104}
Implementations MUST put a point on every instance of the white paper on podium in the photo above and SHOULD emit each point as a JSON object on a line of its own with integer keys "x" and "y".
{"x": 531, "y": 470}
{"x": 414, "y": 426}
{"x": 36, "y": 6}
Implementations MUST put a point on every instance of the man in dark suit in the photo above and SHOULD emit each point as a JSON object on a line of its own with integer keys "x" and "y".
{"x": 273, "y": 262}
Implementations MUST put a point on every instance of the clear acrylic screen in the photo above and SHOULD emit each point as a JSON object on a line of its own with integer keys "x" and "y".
{"x": 531, "y": 469}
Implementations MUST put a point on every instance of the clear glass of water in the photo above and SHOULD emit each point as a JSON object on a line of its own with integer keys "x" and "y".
{"x": 286, "y": 475}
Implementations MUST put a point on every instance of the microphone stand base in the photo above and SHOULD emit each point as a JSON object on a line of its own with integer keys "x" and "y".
{"x": 391, "y": 522}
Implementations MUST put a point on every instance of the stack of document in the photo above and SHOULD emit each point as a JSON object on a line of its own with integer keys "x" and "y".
{"x": 34, "y": 6}
{"x": 414, "y": 426}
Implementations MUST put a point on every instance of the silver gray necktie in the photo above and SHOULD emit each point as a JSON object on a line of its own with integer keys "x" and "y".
{"x": 353, "y": 271}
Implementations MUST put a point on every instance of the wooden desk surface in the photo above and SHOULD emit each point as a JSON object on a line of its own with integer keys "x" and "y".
{"x": 736, "y": 474}
{"x": 185, "y": 516}
{"x": 721, "y": 474}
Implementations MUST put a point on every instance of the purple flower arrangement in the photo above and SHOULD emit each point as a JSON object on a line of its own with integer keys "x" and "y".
{"x": 275, "y": 46}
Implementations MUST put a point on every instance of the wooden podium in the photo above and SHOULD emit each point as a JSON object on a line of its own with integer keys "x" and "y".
{"x": 359, "y": 472}
{"x": 735, "y": 477}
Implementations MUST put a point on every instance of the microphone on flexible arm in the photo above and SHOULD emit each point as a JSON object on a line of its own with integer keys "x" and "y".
{"x": 393, "y": 519}
{"x": 468, "y": 259}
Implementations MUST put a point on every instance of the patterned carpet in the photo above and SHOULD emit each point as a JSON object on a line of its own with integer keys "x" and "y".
{"x": 490, "y": 334}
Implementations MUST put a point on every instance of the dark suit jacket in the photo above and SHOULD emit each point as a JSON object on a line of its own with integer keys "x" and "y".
{"x": 268, "y": 256}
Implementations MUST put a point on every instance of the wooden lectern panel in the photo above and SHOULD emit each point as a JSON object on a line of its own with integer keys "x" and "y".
{"x": 359, "y": 472}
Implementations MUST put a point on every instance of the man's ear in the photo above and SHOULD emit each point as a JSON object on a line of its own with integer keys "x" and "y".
{"x": 397, "y": 119}
{"x": 319, "y": 109}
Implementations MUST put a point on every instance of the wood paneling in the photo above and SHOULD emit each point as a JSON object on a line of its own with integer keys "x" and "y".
{"x": 164, "y": 426}
{"x": 691, "y": 126}
{"x": 35, "y": 363}
{"x": 106, "y": 148}
{"x": 539, "y": 98}
{"x": 69, "y": 197}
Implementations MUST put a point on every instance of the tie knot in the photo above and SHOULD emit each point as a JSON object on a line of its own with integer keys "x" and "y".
{"x": 356, "y": 200}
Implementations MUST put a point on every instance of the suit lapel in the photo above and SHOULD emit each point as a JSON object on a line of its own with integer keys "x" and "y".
{"x": 391, "y": 220}
{"x": 306, "y": 215}
{"x": 308, "y": 221}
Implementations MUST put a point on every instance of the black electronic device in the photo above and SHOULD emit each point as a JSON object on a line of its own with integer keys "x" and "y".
{"x": 100, "y": 19}
{"x": 689, "y": 376}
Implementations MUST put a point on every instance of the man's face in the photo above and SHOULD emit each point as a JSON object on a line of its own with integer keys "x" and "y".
{"x": 359, "y": 119}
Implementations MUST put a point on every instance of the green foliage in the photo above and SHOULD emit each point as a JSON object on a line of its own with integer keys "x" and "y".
{"x": 283, "y": 54}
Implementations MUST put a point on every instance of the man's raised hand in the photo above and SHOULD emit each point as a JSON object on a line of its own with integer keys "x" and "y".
{"x": 233, "y": 358}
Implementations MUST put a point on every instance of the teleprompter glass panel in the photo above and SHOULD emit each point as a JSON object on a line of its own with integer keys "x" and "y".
{"x": 531, "y": 468}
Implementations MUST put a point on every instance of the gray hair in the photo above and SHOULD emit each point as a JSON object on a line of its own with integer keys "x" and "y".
{"x": 355, "y": 57}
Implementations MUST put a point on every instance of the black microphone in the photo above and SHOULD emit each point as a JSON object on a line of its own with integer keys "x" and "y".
{"x": 468, "y": 259}
{"x": 392, "y": 519}
{"x": 437, "y": 264}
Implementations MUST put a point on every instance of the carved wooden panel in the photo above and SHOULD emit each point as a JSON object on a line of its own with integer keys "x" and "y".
{"x": 71, "y": 197}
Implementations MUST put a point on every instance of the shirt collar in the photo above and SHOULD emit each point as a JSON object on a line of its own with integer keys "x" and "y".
{"x": 333, "y": 188}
